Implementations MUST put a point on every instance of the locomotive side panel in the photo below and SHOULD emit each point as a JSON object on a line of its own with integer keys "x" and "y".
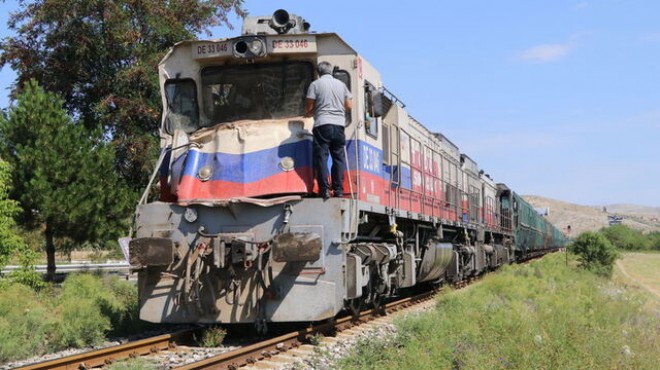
{"x": 472, "y": 190}
{"x": 491, "y": 206}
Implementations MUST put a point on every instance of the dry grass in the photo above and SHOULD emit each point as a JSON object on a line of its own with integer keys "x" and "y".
{"x": 642, "y": 269}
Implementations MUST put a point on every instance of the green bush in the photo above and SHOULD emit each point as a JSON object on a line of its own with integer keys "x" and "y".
{"x": 24, "y": 322}
{"x": 80, "y": 313}
{"x": 595, "y": 253}
{"x": 10, "y": 240}
{"x": 655, "y": 240}
{"x": 82, "y": 321}
{"x": 212, "y": 337}
{"x": 623, "y": 237}
{"x": 123, "y": 311}
{"x": 27, "y": 274}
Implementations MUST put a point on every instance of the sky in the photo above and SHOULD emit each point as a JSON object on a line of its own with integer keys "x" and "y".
{"x": 556, "y": 98}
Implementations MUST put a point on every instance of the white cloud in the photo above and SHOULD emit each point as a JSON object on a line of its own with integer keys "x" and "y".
{"x": 546, "y": 53}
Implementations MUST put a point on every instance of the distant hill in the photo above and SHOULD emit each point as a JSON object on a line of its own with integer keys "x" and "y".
{"x": 586, "y": 218}
{"x": 631, "y": 209}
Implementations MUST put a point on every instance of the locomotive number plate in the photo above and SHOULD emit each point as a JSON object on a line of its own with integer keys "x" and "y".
{"x": 211, "y": 49}
{"x": 291, "y": 44}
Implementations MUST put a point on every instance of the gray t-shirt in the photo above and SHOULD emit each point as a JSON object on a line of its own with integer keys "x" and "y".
{"x": 329, "y": 94}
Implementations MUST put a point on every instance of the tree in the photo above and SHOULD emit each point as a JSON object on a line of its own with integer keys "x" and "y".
{"x": 102, "y": 56}
{"x": 595, "y": 252}
{"x": 63, "y": 173}
{"x": 624, "y": 237}
{"x": 655, "y": 240}
{"x": 9, "y": 239}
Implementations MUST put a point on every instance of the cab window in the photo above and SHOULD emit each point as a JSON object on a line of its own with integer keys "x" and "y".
{"x": 370, "y": 116}
{"x": 344, "y": 77}
{"x": 182, "y": 113}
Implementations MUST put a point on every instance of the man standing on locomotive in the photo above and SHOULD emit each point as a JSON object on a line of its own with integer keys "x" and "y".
{"x": 327, "y": 100}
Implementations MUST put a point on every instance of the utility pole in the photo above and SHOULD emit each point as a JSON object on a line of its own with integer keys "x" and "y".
{"x": 568, "y": 234}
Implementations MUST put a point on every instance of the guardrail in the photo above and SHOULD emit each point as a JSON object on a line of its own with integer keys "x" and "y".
{"x": 77, "y": 267}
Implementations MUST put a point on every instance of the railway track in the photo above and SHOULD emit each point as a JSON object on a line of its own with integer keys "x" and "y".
{"x": 243, "y": 356}
{"x": 105, "y": 356}
{"x": 264, "y": 350}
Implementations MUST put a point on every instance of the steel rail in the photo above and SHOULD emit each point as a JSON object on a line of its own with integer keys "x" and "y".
{"x": 263, "y": 350}
{"x": 105, "y": 356}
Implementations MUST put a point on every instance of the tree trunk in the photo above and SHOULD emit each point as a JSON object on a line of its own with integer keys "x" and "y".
{"x": 50, "y": 254}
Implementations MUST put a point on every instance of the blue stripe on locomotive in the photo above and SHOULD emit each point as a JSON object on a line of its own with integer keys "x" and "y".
{"x": 371, "y": 157}
{"x": 250, "y": 167}
{"x": 371, "y": 161}
{"x": 247, "y": 167}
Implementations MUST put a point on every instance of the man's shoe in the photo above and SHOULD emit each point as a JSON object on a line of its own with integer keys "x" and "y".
{"x": 325, "y": 195}
{"x": 339, "y": 194}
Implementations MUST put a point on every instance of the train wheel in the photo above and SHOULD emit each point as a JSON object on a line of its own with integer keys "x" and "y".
{"x": 355, "y": 306}
{"x": 377, "y": 303}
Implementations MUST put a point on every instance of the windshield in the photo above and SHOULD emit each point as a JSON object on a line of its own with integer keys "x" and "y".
{"x": 256, "y": 91}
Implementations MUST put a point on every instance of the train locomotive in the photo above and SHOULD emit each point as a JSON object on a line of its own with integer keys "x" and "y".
{"x": 239, "y": 233}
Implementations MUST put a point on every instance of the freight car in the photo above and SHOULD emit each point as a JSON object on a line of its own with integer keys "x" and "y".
{"x": 239, "y": 233}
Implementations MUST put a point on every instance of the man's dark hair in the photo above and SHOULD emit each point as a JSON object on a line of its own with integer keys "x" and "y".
{"x": 324, "y": 68}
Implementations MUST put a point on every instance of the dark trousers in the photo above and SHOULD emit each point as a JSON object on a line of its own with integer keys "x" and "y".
{"x": 329, "y": 139}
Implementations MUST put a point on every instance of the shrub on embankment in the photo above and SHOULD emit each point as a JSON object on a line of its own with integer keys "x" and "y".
{"x": 595, "y": 253}
{"x": 542, "y": 315}
{"x": 626, "y": 238}
{"x": 81, "y": 313}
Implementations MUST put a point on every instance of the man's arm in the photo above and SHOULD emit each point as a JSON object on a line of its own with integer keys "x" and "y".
{"x": 309, "y": 107}
{"x": 348, "y": 104}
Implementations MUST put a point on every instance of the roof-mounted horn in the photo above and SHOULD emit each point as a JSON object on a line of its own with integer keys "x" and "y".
{"x": 281, "y": 22}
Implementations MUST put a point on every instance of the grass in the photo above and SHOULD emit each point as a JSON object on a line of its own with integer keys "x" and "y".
{"x": 23, "y": 321}
{"x": 81, "y": 313}
{"x": 134, "y": 364}
{"x": 542, "y": 315}
{"x": 212, "y": 337}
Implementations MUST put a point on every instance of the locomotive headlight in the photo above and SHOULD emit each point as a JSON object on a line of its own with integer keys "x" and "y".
{"x": 190, "y": 215}
{"x": 249, "y": 47}
{"x": 287, "y": 164}
{"x": 205, "y": 173}
{"x": 257, "y": 47}
{"x": 240, "y": 47}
